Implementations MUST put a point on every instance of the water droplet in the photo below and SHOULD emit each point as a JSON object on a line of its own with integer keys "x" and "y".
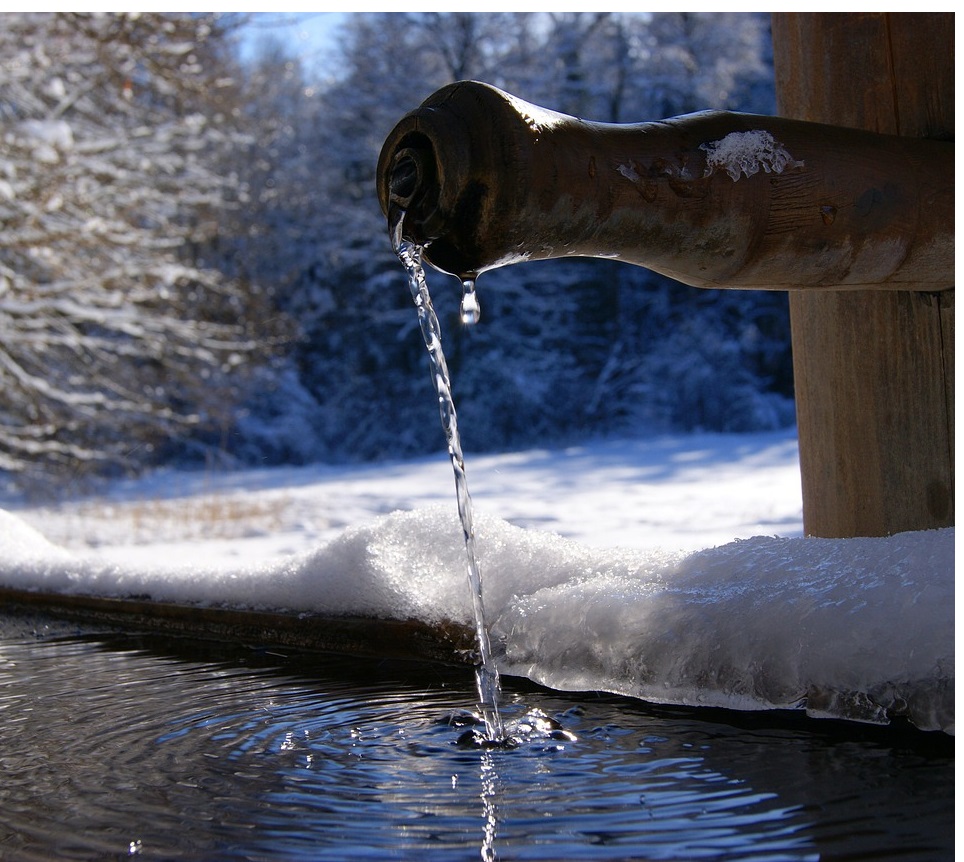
{"x": 828, "y": 214}
{"x": 471, "y": 311}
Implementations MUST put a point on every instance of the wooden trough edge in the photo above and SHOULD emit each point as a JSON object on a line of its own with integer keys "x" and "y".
{"x": 447, "y": 642}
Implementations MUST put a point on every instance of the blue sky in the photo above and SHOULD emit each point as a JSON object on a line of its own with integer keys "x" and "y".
{"x": 308, "y": 33}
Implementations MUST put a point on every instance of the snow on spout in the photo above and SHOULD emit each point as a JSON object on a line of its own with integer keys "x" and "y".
{"x": 746, "y": 153}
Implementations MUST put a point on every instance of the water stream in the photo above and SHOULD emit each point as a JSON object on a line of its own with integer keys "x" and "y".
{"x": 410, "y": 255}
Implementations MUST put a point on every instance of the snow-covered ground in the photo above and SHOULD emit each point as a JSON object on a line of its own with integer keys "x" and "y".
{"x": 683, "y": 492}
{"x": 670, "y": 569}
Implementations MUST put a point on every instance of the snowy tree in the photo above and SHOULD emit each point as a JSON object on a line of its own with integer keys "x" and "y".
{"x": 565, "y": 348}
{"x": 113, "y": 338}
{"x": 693, "y": 61}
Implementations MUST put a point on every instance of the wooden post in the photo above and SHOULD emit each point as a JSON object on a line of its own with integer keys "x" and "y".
{"x": 874, "y": 370}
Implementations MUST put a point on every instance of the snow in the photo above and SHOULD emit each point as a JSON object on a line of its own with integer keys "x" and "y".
{"x": 671, "y": 569}
{"x": 55, "y": 132}
{"x": 747, "y": 152}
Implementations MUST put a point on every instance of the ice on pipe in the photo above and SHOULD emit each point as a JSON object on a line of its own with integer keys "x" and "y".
{"x": 860, "y": 629}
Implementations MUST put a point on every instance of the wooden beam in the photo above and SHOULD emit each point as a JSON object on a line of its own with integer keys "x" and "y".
{"x": 482, "y": 179}
{"x": 874, "y": 371}
{"x": 446, "y": 642}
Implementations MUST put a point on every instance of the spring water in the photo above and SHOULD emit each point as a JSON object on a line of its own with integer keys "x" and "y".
{"x": 410, "y": 255}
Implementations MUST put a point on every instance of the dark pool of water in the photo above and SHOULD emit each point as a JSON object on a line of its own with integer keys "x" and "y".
{"x": 117, "y": 745}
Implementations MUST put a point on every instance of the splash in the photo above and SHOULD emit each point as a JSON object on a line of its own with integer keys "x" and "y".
{"x": 410, "y": 255}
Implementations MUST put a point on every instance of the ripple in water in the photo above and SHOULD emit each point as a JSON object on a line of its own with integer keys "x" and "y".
{"x": 172, "y": 749}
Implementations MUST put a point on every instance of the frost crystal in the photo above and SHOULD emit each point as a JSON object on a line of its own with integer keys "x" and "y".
{"x": 747, "y": 152}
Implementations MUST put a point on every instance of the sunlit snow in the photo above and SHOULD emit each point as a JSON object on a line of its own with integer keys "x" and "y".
{"x": 670, "y": 569}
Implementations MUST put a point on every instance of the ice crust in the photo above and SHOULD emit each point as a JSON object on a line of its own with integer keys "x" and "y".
{"x": 860, "y": 629}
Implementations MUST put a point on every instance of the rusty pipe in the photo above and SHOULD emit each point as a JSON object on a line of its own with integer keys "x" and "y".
{"x": 712, "y": 199}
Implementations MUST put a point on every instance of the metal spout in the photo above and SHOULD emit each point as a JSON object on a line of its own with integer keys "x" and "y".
{"x": 713, "y": 199}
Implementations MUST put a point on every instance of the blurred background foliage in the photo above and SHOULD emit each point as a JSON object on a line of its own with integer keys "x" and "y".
{"x": 195, "y": 268}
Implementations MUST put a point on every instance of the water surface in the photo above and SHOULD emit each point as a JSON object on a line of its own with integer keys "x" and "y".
{"x": 115, "y": 745}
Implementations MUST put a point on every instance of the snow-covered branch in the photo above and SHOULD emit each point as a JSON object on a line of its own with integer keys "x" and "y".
{"x": 112, "y": 332}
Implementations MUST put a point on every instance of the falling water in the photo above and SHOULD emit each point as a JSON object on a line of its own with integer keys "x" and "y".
{"x": 487, "y": 675}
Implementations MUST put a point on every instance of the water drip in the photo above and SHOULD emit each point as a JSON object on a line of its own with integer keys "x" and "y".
{"x": 470, "y": 310}
{"x": 487, "y": 675}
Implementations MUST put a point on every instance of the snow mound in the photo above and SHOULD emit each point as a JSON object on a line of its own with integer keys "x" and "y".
{"x": 860, "y": 629}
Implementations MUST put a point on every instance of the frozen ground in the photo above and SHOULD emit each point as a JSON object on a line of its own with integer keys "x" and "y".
{"x": 671, "y": 569}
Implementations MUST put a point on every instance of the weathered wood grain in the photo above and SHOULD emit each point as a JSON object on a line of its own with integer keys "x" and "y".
{"x": 874, "y": 371}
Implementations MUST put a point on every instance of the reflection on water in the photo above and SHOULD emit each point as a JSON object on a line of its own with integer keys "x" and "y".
{"x": 118, "y": 745}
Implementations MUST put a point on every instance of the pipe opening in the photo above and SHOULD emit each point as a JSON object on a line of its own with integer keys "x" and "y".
{"x": 403, "y": 181}
{"x": 412, "y": 175}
